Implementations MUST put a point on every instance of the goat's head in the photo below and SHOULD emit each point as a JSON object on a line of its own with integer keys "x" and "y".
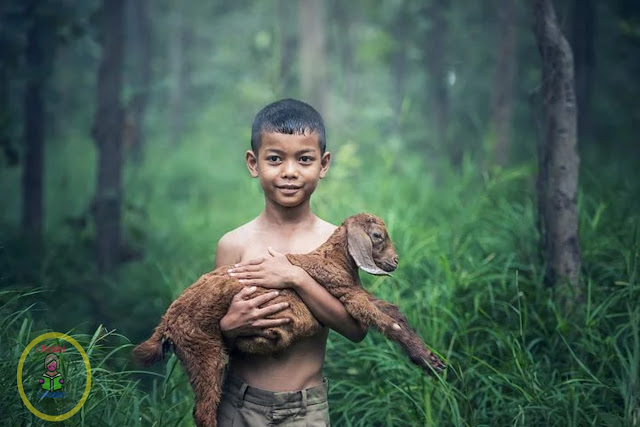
{"x": 369, "y": 244}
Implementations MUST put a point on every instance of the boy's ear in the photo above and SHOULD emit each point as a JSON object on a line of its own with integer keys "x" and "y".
{"x": 325, "y": 162}
{"x": 252, "y": 163}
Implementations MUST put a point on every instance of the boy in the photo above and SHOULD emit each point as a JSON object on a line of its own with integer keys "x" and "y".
{"x": 288, "y": 156}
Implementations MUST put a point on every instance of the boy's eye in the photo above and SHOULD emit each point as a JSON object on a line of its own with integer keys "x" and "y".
{"x": 273, "y": 158}
{"x": 306, "y": 159}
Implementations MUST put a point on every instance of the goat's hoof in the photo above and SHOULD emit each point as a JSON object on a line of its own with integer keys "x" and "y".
{"x": 436, "y": 364}
{"x": 431, "y": 363}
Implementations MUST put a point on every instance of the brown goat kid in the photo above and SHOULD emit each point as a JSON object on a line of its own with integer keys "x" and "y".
{"x": 191, "y": 324}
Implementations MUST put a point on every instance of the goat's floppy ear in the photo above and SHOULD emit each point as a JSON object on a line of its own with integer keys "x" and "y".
{"x": 361, "y": 250}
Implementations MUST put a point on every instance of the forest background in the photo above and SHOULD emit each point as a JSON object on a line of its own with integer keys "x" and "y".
{"x": 123, "y": 128}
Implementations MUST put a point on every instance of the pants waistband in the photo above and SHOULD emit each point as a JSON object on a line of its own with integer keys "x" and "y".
{"x": 239, "y": 392}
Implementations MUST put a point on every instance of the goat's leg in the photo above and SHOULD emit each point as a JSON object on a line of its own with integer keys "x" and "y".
{"x": 205, "y": 410}
{"x": 388, "y": 319}
{"x": 205, "y": 362}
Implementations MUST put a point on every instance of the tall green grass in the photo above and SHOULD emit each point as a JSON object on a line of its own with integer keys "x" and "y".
{"x": 469, "y": 280}
{"x": 471, "y": 283}
{"x": 116, "y": 397}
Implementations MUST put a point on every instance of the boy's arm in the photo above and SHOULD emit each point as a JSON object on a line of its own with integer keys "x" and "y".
{"x": 278, "y": 272}
{"x": 327, "y": 308}
{"x": 246, "y": 315}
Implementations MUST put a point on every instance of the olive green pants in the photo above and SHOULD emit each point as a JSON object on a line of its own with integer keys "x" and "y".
{"x": 246, "y": 406}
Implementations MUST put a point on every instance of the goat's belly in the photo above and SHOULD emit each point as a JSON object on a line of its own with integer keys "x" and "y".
{"x": 302, "y": 325}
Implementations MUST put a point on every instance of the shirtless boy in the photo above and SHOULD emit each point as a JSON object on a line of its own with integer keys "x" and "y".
{"x": 288, "y": 157}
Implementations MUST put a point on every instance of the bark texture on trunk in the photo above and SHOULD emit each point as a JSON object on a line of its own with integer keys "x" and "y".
{"x": 559, "y": 160}
{"x": 107, "y": 132}
{"x": 313, "y": 57}
{"x": 503, "y": 84}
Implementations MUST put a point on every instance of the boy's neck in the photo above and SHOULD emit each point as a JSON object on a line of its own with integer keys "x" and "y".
{"x": 277, "y": 215}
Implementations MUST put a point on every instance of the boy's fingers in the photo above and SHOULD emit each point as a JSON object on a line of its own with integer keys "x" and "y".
{"x": 234, "y": 272}
{"x": 273, "y": 308}
{"x": 246, "y": 291}
{"x": 247, "y": 275}
{"x": 261, "y": 299}
{"x": 269, "y": 323}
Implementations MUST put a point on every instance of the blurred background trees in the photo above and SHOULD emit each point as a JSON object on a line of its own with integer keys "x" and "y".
{"x": 435, "y": 114}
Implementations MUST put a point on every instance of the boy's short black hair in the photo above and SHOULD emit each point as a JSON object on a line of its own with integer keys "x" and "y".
{"x": 288, "y": 116}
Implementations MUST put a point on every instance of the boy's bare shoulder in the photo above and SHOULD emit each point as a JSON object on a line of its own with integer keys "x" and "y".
{"x": 232, "y": 244}
{"x": 325, "y": 228}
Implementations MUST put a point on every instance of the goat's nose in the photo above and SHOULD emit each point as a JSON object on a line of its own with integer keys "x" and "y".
{"x": 395, "y": 259}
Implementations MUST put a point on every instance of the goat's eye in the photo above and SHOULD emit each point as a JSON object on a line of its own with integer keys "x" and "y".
{"x": 377, "y": 235}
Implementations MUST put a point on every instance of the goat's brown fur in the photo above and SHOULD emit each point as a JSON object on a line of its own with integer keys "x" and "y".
{"x": 191, "y": 324}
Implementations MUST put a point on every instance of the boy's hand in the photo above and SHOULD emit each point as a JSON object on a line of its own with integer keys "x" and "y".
{"x": 269, "y": 272}
{"x": 247, "y": 316}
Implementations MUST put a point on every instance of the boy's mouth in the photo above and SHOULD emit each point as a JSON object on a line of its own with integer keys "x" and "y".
{"x": 288, "y": 189}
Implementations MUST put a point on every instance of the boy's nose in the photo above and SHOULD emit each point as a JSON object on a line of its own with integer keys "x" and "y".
{"x": 289, "y": 170}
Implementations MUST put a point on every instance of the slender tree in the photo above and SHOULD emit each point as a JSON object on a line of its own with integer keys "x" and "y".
{"x": 558, "y": 154}
{"x": 434, "y": 48}
{"x": 399, "y": 62}
{"x": 107, "y": 132}
{"x": 313, "y": 56}
{"x": 288, "y": 46}
{"x": 179, "y": 68}
{"x": 503, "y": 84}
{"x": 141, "y": 41}
{"x": 10, "y": 52}
{"x": 343, "y": 15}
{"x": 38, "y": 60}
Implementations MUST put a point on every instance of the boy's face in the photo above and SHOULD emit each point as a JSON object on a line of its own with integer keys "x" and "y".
{"x": 289, "y": 166}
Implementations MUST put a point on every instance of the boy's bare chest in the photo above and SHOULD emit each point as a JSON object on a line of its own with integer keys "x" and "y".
{"x": 257, "y": 246}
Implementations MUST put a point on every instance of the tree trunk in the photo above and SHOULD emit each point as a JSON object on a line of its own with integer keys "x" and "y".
{"x": 178, "y": 66}
{"x": 342, "y": 15}
{"x": 559, "y": 161}
{"x": 9, "y": 154}
{"x": 312, "y": 53}
{"x": 399, "y": 65}
{"x": 107, "y": 132}
{"x": 39, "y": 56}
{"x": 435, "y": 57}
{"x": 288, "y": 46}
{"x": 141, "y": 35}
{"x": 503, "y": 83}
{"x": 583, "y": 27}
